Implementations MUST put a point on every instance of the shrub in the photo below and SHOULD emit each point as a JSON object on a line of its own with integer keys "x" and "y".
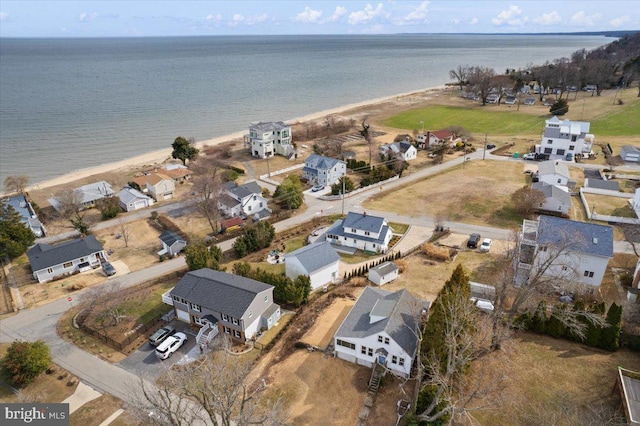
{"x": 436, "y": 252}
{"x": 25, "y": 361}
{"x": 402, "y": 265}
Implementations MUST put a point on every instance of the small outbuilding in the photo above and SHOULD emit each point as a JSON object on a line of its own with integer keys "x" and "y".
{"x": 383, "y": 273}
{"x": 630, "y": 153}
{"x": 172, "y": 243}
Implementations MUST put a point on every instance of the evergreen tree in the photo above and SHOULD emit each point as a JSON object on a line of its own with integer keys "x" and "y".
{"x": 198, "y": 255}
{"x": 289, "y": 193}
{"x": 15, "y": 237}
{"x": 569, "y": 334}
{"x": 610, "y": 338}
{"x": 594, "y": 331}
{"x": 184, "y": 150}
{"x": 24, "y": 361}
{"x": 555, "y": 327}
{"x": 539, "y": 320}
{"x": 242, "y": 269}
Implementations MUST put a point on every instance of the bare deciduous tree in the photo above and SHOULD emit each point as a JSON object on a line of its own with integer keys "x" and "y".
{"x": 103, "y": 299}
{"x": 213, "y": 390}
{"x": 461, "y": 74}
{"x": 124, "y": 231}
{"x": 70, "y": 207}
{"x": 527, "y": 200}
{"x": 368, "y": 137}
{"x": 16, "y": 183}
{"x": 481, "y": 78}
{"x": 207, "y": 186}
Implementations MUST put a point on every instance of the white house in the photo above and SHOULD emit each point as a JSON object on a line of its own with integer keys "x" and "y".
{"x": 557, "y": 200}
{"x": 565, "y": 137}
{"x": 322, "y": 170}
{"x": 230, "y": 304}
{"x": 403, "y": 150}
{"x": 361, "y": 231}
{"x": 635, "y": 203}
{"x": 319, "y": 261}
{"x": 430, "y": 139}
{"x": 87, "y": 195}
{"x": 630, "y": 153}
{"x": 383, "y": 273}
{"x": 555, "y": 172}
{"x": 49, "y": 262}
{"x": 160, "y": 186}
{"x": 172, "y": 243}
{"x": 243, "y": 200}
{"x": 567, "y": 250}
{"x": 266, "y": 139}
{"x": 381, "y": 328}
{"x": 131, "y": 199}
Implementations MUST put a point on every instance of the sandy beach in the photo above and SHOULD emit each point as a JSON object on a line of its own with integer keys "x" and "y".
{"x": 159, "y": 156}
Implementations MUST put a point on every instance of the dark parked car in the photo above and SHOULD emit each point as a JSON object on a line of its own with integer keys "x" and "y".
{"x": 157, "y": 337}
{"x": 491, "y": 146}
{"x": 108, "y": 269}
{"x": 474, "y": 239}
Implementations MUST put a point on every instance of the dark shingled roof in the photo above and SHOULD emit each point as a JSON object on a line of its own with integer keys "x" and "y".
{"x": 397, "y": 313}
{"x": 42, "y": 256}
{"x": 170, "y": 237}
{"x": 315, "y": 256}
{"x": 586, "y": 238}
{"x": 219, "y": 291}
{"x": 363, "y": 222}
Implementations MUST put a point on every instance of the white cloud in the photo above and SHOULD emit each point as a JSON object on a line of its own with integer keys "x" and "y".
{"x": 257, "y": 19}
{"x": 87, "y": 17}
{"x": 4, "y": 16}
{"x": 416, "y": 16}
{"x": 455, "y": 21}
{"x": 509, "y": 17}
{"x": 548, "y": 18}
{"x": 366, "y": 15}
{"x": 618, "y": 22}
{"x": 582, "y": 19}
{"x": 308, "y": 16}
{"x": 338, "y": 13}
{"x": 473, "y": 21}
{"x": 214, "y": 18}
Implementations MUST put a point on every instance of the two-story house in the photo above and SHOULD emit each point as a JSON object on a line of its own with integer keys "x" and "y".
{"x": 428, "y": 140}
{"x": 159, "y": 186}
{"x": 237, "y": 306}
{"x": 361, "y": 231}
{"x": 564, "y": 251}
{"x": 382, "y": 327}
{"x": 403, "y": 150}
{"x": 243, "y": 200}
{"x": 49, "y": 262}
{"x": 270, "y": 138}
{"x": 554, "y": 172}
{"x": 565, "y": 137}
{"x": 321, "y": 170}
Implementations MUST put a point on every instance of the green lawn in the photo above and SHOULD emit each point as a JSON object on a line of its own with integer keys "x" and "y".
{"x": 475, "y": 119}
{"x": 399, "y": 228}
{"x": 623, "y": 122}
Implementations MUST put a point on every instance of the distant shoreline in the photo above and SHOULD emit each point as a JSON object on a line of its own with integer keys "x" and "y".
{"x": 159, "y": 156}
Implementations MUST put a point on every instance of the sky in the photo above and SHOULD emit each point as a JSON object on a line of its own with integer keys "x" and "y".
{"x": 117, "y": 18}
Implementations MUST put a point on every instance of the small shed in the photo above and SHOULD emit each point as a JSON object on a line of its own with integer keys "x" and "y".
{"x": 630, "y": 153}
{"x": 383, "y": 273}
{"x": 172, "y": 243}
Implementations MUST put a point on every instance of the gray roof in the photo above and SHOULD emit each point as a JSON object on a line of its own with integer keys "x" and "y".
{"x": 269, "y": 126}
{"x": 396, "y": 310}
{"x": 94, "y": 191}
{"x": 320, "y": 162}
{"x": 27, "y": 215}
{"x": 128, "y": 195}
{"x": 631, "y": 390}
{"x": 228, "y": 200}
{"x": 384, "y": 268}
{"x": 552, "y": 191}
{"x": 629, "y": 149}
{"x": 315, "y": 256}
{"x": 553, "y": 167}
{"x": 340, "y": 230}
{"x": 363, "y": 222}
{"x": 587, "y": 238}
{"x": 170, "y": 237}
{"x": 219, "y": 291}
{"x": 611, "y": 185}
{"x": 42, "y": 256}
{"x": 244, "y": 190}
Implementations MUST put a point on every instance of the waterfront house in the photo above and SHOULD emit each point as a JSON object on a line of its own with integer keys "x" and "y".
{"x": 49, "y": 262}
{"x": 28, "y": 215}
{"x": 361, "y": 231}
{"x": 243, "y": 200}
{"x": 267, "y": 139}
{"x": 86, "y": 196}
{"x": 319, "y": 261}
{"x": 177, "y": 172}
{"x": 565, "y": 137}
{"x": 564, "y": 250}
{"x": 381, "y": 328}
{"x": 403, "y": 150}
{"x": 321, "y": 170}
{"x": 131, "y": 199}
{"x": 430, "y": 139}
{"x": 160, "y": 186}
{"x": 221, "y": 302}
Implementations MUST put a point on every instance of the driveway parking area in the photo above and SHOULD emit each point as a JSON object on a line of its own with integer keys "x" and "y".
{"x": 143, "y": 362}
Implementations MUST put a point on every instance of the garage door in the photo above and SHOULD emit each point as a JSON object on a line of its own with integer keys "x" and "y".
{"x": 183, "y": 315}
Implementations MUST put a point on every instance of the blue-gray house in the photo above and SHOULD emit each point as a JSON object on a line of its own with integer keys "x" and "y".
{"x": 321, "y": 170}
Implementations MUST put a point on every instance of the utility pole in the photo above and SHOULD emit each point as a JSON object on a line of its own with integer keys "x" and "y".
{"x": 485, "y": 146}
{"x": 343, "y": 179}
{"x": 268, "y": 171}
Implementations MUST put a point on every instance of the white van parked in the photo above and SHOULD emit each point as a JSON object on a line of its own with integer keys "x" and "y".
{"x": 170, "y": 345}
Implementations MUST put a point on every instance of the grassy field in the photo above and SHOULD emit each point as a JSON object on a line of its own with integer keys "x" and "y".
{"x": 480, "y": 195}
{"x": 614, "y": 206}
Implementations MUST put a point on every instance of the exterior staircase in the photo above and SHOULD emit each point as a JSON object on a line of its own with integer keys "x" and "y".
{"x": 206, "y": 334}
{"x": 377, "y": 373}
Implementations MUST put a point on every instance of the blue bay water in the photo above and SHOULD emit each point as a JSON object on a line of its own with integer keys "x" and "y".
{"x": 68, "y": 104}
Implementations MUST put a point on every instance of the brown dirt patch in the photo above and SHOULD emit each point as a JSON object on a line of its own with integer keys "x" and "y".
{"x": 94, "y": 412}
{"x": 144, "y": 244}
{"x": 325, "y": 326}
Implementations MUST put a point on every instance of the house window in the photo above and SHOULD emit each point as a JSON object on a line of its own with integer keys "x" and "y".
{"x": 370, "y": 351}
{"x": 394, "y": 359}
{"x": 235, "y": 321}
{"x": 401, "y": 362}
{"x": 67, "y": 264}
{"x": 194, "y": 307}
{"x": 560, "y": 152}
{"x": 380, "y": 339}
{"x": 250, "y": 314}
{"x": 549, "y": 141}
{"x": 564, "y": 267}
{"x": 366, "y": 232}
{"x": 225, "y": 317}
{"x": 227, "y": 330}
{"x": 543, "y": 248}
{"x": 588, "y": 274}
{"x": 572, "y": 147}
{"x": 548, "y": 150}
{"x": 49, "y": 270}
{"x": 363, "y": 350}
{"x": 559, "y": 180}
{"x": 353, "y": 230}
{"x": 346, "y": 344}
{"x": 573, "y": 138}
{"x": 82, "y": 259}
{"x": 237, "y": 333}
{"x": 386, "y": 340}
{"x": 266, "y": 298}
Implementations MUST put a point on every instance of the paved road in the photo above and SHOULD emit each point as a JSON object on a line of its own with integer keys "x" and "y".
{"x": 40, "y": 323}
